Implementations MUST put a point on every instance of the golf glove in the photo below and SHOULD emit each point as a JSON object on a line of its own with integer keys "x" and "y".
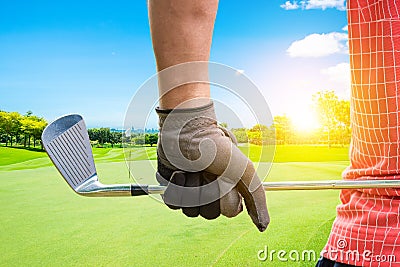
{"x": 205, "y": 173}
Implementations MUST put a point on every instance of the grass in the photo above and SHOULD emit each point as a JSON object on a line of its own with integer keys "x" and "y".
{"x": 45, "y": 224}
{"x": 293, "y": 153}
{"x": 16, "y": 155}
{"x": 20, "y": 159}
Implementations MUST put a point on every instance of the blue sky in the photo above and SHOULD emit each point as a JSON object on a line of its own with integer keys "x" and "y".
{"x": 89, "y": 57}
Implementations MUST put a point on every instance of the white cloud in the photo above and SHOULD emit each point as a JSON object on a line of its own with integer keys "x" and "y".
{"x": 319, "y": 45}
{"x": 315, "y": 4}
{"x": 290, "y": 6}
{"x": 339, "y": 74}
{"x": 345, "y": 28}
{"x": 324, "y": 4}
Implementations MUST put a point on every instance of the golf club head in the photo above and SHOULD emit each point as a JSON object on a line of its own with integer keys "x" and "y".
{"x": 67, "y": 143}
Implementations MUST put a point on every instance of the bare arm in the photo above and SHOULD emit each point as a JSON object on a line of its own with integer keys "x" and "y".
{"x": 182, "y": 31}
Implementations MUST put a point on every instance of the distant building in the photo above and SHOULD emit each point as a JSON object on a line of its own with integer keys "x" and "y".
{"x": 139, "y": 131}
{"x": 113, "y": 130}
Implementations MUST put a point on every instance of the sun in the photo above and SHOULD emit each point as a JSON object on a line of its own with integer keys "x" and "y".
{"x": 304, "y": 120}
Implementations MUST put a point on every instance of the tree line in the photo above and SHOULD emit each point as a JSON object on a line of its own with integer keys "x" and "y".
{"x": 20, "y": 129}
{"x": 26, "y": 130}
{"x": 334, "y": 118}
{"x": 333, "y": 113}
{"x": 140, "y": 139}
{"x": 100, "y": 137}
{"x": 103, "y": 137}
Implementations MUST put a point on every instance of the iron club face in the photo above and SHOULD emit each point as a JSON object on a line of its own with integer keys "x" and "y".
{"x": 67, "y": 143}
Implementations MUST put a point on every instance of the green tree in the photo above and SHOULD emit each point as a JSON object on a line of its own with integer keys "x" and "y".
{"x": 139, "y": 140}
{"x": 38, "y": 126}
{"x": 104, "y": 135}
{"x": 3, "y": 118}
{"x": 151, "y": 139}
{"x": 325, "y": 103}
{"x": 11, "y": 126}
{"x": 334, "y": 116}
{"x": 27, "y": 129}
{"x": 93, "y": 134}
{"x": 261, "y": 134}
{"x": 241, "y": 135}
{"x": 14, "y": 125}
{"x": 283, "y": 127}
{"x": 343, "y": 121}
{"x": 115, "y": 138}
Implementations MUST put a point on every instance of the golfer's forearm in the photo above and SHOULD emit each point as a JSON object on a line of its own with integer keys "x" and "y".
{"x": 181, "y": 32}
{"x": 186, "y": 96}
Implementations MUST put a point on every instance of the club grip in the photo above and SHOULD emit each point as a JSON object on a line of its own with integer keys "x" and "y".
{"x": 139, "y": 190}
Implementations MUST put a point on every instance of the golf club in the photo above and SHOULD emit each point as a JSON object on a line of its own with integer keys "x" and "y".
{"x": 67, "y": 143}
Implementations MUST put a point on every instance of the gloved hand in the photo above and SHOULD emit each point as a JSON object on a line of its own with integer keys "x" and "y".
{"x": 205, "y": 173}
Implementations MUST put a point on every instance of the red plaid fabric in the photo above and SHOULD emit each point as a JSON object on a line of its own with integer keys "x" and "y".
{"x": 366, "y": 231}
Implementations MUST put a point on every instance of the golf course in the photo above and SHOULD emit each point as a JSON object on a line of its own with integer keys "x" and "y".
{"x": 44, "y": 223}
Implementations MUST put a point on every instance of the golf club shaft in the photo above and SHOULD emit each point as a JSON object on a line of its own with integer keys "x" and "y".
{"x": 136, "y": 190}
{"x": 318, "y": 185}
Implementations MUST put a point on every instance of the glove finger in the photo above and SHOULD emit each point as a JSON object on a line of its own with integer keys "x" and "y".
{"x": 256, "y": 205}
{"x": 230, "y": 162}
{"x": 173, "y": 196}
{"x": 163, "y": 176}
{"x": 211, "y": 210}
{"x": 231, "y": 201}
{"x": 231, "y": 204}
{"x": 252, "y": 191}
{"x": 191, "y": 198}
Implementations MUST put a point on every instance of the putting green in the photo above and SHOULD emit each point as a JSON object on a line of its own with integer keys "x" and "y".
{"x": 44, "y": 223}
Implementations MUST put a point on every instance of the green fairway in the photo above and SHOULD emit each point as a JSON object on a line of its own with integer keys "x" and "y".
{"x": 10, "y": 156}
{"x": 296, "y": 153}
{"x": 45, "y": 224}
